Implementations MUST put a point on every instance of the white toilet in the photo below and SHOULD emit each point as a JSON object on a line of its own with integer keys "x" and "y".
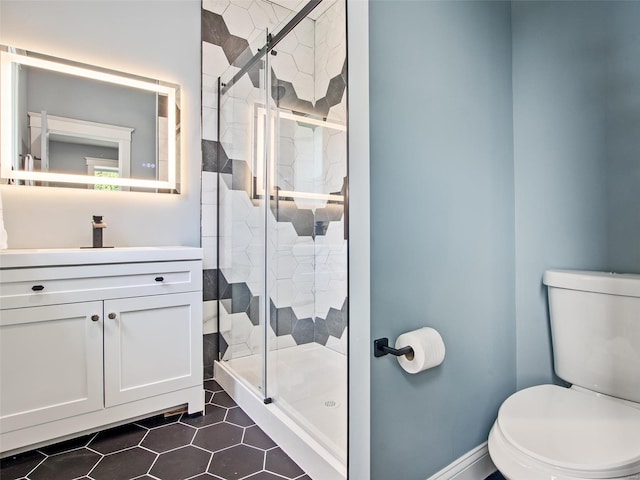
{"x": 592, "y": 429}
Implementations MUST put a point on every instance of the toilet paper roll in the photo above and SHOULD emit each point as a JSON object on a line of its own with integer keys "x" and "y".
{"x": 428, "y": 349}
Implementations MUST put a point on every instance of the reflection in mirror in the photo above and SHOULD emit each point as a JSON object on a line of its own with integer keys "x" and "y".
{"x": 72, "y": 125}
{"x": 308, "y": 157}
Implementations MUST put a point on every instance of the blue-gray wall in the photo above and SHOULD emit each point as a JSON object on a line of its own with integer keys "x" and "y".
{"x": 576, "y": 112}
{"x": 623, "y": 136}
{"x": 442, "y": 226}
{"x": 477, "y": 187}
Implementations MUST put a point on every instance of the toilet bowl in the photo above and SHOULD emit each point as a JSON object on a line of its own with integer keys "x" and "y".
{"x": 592, "y": 429}
{"x": 551, "y": 432}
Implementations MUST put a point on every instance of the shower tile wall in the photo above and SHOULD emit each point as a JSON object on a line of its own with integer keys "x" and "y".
{"x": 308, "y": 263}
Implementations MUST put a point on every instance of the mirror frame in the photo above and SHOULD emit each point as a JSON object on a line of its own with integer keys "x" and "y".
{"x": 9, "y": 58}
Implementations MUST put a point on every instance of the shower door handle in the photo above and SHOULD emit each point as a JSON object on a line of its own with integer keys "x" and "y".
{"x": 345, "y": 206}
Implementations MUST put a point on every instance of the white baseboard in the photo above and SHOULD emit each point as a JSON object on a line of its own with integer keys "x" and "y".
{"x": 473, "y": 465}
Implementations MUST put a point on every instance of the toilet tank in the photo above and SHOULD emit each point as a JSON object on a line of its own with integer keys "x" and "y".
{"x": 595, "y": 328}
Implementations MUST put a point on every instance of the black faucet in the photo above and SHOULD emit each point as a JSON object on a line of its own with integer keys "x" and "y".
{"x": 98, "y": 225}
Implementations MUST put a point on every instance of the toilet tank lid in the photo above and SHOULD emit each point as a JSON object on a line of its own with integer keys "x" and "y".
{"x": 626, "y": 284}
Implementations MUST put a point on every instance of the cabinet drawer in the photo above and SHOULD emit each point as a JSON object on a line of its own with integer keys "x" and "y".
{"x": 55, "y": 285}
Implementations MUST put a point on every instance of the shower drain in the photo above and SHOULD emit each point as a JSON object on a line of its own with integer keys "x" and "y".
{"x": 331, "y": 404}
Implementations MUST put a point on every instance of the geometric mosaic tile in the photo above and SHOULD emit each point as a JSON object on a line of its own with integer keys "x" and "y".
{"x": 214, "y": 158}
{"x": 305, "y": 330}
{"x": 209, "y": 352}
{"x": 118, "y": 438}
{"x": 228, "y": 446}
{"x": 320, "y": 331}
{"x": 337, "y": 320}
{"x": 293, "y": 64}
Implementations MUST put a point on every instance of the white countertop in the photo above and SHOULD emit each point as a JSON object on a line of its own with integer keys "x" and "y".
{"x": 49, "y": 257}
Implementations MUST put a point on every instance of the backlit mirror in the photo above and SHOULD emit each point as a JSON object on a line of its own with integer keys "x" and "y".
{"x": 66, "y": 124}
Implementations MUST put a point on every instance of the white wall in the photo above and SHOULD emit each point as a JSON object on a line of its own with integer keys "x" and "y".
{"x": 159, "y": 39}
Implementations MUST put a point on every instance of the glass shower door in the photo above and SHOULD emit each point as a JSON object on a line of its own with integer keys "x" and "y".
{"x": 306, "y": 241}
{"x": 242, "y": 104}
{"x": 282, "y": 244}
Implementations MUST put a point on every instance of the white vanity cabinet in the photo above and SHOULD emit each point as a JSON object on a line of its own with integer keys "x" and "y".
{"x": 90, "y": 342}
{"x": 51, "y": 363}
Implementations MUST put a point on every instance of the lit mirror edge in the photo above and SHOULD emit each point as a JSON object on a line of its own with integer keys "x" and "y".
{"x": 8, "y": 118}
{"x": 258, "y": 129}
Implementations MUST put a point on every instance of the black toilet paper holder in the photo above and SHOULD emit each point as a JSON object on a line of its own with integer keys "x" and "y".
{"x": 381, "y": 348}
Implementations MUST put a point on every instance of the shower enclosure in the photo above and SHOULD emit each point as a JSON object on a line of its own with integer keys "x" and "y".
{"x": 282, "y": 246}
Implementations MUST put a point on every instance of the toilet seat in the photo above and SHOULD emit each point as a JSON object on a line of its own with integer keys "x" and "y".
{"x": 574, "y": 434}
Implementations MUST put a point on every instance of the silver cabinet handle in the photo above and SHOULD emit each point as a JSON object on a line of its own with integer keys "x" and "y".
{"x": 112, "y": 316}
{"x": 95, "y": 318}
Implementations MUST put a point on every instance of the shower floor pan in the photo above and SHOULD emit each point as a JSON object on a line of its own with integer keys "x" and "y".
{"x": 308, "y": 416}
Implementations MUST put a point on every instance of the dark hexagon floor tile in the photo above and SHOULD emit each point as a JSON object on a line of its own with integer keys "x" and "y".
{"x": 212, "y": 414}
{"x": 118, "y": 438}
{"x": 280, "y": 463}
{"x": 256, "y": 437}
{"x": 264, "y": 476}
{"x": 64, "y": 466}
{"x": 237, "y": 462}
{"x": 67, "y": 445}
{"x": 208, "y": 396}
{"x": 212, "y": 386}
{"x": 129, "y": 463}
{"x": 158, "y": 421}
{"x": 237, "y": 416}
{"x": 223, "y": 399}
{"x": 495, "y": 476}
{"x": 169, "y": 437}
{"x": 218, "y": 436}
{"x": 182, "y": 463}
{"x": 18, "y": 466}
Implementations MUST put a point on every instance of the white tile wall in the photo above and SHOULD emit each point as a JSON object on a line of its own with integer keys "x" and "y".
{"x": 306, "y": 274}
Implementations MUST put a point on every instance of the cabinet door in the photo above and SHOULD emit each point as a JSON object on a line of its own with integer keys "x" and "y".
{"x": 152, "y": 345}
{"x": 50, "y": 363}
